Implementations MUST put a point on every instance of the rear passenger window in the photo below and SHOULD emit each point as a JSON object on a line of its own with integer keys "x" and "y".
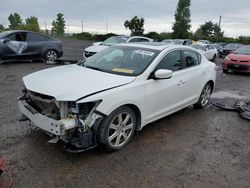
{"x": 191, "y": 58}
{"x": 134, "y": 40}
{"x": 36, "y": 37}
{"x": 142, "y": 40}
{"x": 172, "y": 61}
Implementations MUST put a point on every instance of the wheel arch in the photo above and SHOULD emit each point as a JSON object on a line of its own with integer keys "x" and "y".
{"x": 211, "y": 82}
{"x": 137, "y": 112}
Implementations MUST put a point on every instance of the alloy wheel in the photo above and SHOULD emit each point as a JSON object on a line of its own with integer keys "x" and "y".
{"x": 120, "y": 129}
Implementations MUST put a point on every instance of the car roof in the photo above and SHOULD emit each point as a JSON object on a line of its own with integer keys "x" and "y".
{"x": 154, "y": 45}
{"x": 23, "y": 31}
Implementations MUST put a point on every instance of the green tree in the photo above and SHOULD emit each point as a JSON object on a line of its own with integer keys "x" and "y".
{"x": 135, "y": 25}
{"x": 217, "y": 30}
{"x": 205, "y": 29}
{"x": 15, "y": 21}
{"x": 182, "y": 24}
{"x": 209, "y": 29}
{"x": 1, "y": 28}
{"x": 58, "y": 25}
{"x": 31, "y": 24}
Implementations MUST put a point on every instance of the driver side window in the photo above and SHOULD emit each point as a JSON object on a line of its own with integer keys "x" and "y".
{"x": 172, "y": 61}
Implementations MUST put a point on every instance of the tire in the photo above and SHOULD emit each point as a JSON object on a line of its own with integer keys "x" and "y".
{"x": 117, "y": 130}
{"x": 50, "y": 55}
{"x": 225, "y": 71}
{"x": 204, "y": 97}
{"x": 214, "y": 57}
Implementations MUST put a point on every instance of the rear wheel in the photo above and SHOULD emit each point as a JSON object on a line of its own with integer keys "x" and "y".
{"x": 214, "y": 57}
{"x": 204, "y": 97}
{"x": 117, "y": 129}
{"x": 50, "y": 55}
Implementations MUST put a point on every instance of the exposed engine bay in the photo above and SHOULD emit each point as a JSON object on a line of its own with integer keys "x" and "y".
{"x": 73, "y": 123}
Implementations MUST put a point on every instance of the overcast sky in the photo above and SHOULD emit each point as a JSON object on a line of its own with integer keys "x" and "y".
{"x": 109, "y": 15}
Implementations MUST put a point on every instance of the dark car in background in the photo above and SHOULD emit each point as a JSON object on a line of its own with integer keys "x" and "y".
{"x": 26, "y": 45}
{"x": 229, "y": 48}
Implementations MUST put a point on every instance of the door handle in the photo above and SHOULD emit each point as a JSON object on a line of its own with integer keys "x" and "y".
{"x": 181, "y": 82}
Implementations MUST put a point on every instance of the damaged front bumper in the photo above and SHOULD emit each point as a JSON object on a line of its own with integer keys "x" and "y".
{"x": 77, "y": 134}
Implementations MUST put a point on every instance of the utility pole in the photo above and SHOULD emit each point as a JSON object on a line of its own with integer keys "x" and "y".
{"x": 219, "y": 27}
{"x": 220, "y": 21}
{"x": 45, "y": 26}
{"x": 82, "y": 26}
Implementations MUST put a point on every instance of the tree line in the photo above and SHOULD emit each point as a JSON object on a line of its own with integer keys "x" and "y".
{"x": 31, "y": 23}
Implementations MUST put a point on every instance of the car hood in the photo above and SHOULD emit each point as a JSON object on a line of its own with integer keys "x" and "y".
{"x": 96, "y": 49}
{"x": 72, "y": 82}
{"x": 239, "y": 57}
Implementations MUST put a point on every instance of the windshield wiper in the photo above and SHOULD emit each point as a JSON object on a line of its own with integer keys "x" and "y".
{"x": 94, "y": 68}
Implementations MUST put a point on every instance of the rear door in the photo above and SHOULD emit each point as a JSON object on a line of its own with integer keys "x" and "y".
{"x": 36, "y": 44}
{"x": 193, "y": 76}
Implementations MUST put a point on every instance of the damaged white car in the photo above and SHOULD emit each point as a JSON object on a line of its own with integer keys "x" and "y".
{"x": 116, "y": 92}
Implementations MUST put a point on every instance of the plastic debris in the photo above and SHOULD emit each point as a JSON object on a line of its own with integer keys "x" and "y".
{"x": 240, "y": 106}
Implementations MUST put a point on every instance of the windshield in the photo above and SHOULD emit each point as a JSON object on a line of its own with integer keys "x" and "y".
{"x": 198, "y": 47}
{"x": 232, "y": 46}
{"x": 114, "y": 40}
{"x": 245, "y": 50}
{"x": 4, "y": 34}
{"x": 124, "y": 60}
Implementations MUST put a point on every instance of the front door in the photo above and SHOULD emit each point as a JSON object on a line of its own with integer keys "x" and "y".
{"x": 164, "y": 96}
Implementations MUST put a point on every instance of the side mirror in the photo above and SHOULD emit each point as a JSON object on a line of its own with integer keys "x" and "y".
{"x": 163, "y": 74}
{"x": 6, "y": 40}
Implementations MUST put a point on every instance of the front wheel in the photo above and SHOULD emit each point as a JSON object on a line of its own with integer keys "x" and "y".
{"x": 50, "y": 55}
{"x": 204, "y": 97}
{"x": 117, "y": 129}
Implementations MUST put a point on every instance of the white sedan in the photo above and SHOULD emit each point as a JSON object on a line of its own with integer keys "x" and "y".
{"x": 116, "y": 92}
{"x": 99, "y": 46}
{"x": 208, "y": 50}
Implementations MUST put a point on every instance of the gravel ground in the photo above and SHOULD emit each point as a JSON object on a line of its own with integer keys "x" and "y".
{"x": 191, "y": 148}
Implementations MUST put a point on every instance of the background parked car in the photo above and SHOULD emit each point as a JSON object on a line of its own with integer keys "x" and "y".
{"x": 97, "y": 47}
{"x": 208, "y": 50}
{"x": 183, "y": 41}
{"x": 238, "y": 61}
{"x": 168, "y": 41}
{"x": 218, "y": 46}
{"x": 27, "y": 45}
{"x": 178, "y": 41}
{"x": 229, "y": 48}
{"x": 203, "y": 42}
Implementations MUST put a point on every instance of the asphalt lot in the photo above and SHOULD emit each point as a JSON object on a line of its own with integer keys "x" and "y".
{"x": 192, "y": 148}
